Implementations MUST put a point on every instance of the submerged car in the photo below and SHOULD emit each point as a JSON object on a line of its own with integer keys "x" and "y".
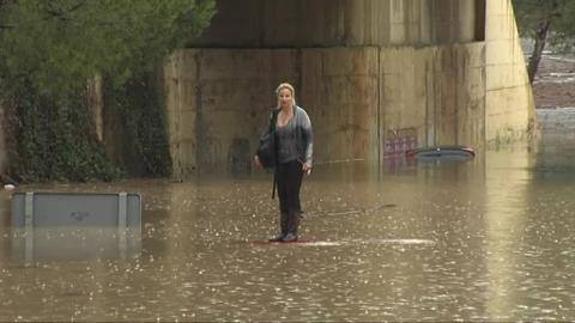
{"x": 453, "y": 152}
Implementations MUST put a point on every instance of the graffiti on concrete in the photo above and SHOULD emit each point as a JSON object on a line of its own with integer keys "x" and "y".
{"x": 398, "y": 141}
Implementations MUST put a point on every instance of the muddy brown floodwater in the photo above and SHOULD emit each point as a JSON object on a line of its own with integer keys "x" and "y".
{"x": 489, "y": 239}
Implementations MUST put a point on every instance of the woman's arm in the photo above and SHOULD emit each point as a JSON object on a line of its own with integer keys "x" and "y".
{"x": 308, "y": 142}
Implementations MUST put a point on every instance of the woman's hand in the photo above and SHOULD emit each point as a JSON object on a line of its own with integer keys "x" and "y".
{"x": 257, "y": 162}
{"x": 306, "y": 167}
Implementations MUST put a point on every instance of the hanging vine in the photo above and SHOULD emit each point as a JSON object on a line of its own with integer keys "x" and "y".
{"x": 50, "y": 139}
{"x": 142, "y": 137}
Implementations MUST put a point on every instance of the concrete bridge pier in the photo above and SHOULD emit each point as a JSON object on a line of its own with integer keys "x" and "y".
{"x": 377, "y": 77}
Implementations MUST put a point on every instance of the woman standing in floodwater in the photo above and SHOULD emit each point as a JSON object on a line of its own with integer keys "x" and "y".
{"x": 294, "y": 144}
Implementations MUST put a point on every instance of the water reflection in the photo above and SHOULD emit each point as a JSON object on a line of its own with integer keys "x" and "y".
{"x": 505, "y": 219}
{"x": 484, "y": 240}
{"x": 29, "y": 246}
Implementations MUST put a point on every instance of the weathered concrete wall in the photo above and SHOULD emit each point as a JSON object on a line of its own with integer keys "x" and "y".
{"x": 361, "y": 100}
{"x": 321, "y": 23}
{"x": 510, "y": 110}
{"x": 432, "y": 96}
{"x": 340, "y": 91}
{"x": 376, "y": 76}
{"x": 180, "y": 92}
{"x": 218, "y": 102}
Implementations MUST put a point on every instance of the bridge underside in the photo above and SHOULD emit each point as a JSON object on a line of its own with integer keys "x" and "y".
{"x": 376, "y": 76}
{"x": 327, "y": 23}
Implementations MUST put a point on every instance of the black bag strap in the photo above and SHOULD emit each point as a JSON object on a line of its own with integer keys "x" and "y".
{"x": 274, "y": 186}
{"x": 272, "y": 129}
{"x": 273, "y": 120}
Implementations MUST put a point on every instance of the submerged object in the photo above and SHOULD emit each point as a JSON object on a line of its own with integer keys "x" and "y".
{"x": 49, "y": 226}
{"x": 52, "y": 209}
{"x": 454, "y": 152}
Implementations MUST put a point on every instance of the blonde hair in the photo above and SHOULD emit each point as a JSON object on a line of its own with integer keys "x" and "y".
{"x": 286, "y": 86}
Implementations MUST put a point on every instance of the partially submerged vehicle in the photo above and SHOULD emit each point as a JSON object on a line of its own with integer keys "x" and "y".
{"x": 451, "y": 152}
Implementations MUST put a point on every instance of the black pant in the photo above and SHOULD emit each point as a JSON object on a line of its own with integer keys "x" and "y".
{"x": 289, "y": 176}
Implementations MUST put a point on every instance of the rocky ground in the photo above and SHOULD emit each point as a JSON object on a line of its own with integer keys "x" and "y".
{"x": 554, "y": 86}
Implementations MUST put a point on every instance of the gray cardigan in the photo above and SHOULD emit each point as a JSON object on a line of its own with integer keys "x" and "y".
{"x": 304, "y": 135}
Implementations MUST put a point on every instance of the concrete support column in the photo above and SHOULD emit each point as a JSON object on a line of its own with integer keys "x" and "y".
{"x": 510, "y": 110}
{"x": 96, "y": 105}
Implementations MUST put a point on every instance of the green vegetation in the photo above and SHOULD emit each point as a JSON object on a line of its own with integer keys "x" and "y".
{"x": 49, "y": 49}
{"x": 543, "y": 21}
{"x": 143, "y": 139}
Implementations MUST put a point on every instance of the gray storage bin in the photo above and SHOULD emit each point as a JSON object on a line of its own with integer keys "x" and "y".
{"x": 76, "y": 209}
{"x": 75, "y": 226}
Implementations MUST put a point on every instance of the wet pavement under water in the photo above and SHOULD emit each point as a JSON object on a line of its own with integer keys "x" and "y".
{"x": 484, "y": 240}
